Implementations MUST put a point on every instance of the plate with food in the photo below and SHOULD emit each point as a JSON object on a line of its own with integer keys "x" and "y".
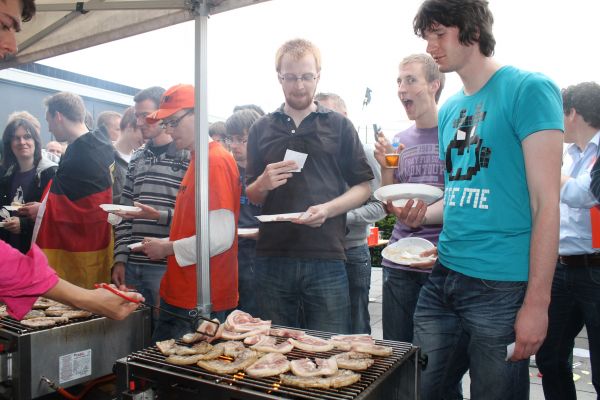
{"x": 408, "y": 251}
{"x": 279, "y": 217}
{"x": 400, "y": 193}
{"x": 119, "y": 208}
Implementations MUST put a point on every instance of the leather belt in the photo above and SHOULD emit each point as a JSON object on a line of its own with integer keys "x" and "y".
{"x": 581, "y": 260}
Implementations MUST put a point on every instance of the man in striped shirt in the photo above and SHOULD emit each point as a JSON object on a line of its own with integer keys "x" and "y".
{"x": 152, "y": 182}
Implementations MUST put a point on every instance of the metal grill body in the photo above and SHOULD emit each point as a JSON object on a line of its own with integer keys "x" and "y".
{"x": 26, "y": 353}
{"x": 145, "y": 374}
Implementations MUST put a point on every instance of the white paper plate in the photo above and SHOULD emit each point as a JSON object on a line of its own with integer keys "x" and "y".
{"x": 279, "y": 217}
{"x": 247, "y": 231}
{"x": 118, "y": 207}
{"x": 12, "y": 208}
{"x": 400, "y": 193}
{"x": 406, "y": 251}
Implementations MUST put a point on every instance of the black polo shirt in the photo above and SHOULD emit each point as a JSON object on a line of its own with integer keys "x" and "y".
{"x": 335, "y": 159}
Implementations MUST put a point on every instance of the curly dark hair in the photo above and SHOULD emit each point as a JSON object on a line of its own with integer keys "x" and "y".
{"x": 584, "y": 98}
{"x": 28, "y": 10}
{"x": 473, "y": 19}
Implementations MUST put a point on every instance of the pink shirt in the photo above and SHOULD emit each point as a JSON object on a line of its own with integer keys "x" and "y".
{"x": 23, "y": 278}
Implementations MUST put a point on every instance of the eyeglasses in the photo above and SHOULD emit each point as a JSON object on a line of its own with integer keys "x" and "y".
{"x": 174, "y": 123}
{"x": 236, "y": 140}
{"x": 291, "y": 78}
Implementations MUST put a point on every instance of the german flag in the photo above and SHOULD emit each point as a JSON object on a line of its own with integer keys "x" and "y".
{"x": 73, "y": 231}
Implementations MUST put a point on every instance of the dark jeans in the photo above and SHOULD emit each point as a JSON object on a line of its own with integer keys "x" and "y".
{"x": 575, "y": 302}
{"x": 171, "y": 327}
{"x": 463, "y": 322}
{"x": 246, "y": 281}
{"x": 400, "y": 294}
{"x": 317, "y": 288}
{"x": 358, "y": 269}
{"x": 146, "y": 280}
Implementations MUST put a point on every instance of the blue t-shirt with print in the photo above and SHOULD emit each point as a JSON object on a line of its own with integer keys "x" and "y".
{"x": 487, "y": 216}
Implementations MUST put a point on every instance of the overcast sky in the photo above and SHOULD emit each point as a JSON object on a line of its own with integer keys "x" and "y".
{"x": 361, "y": 44}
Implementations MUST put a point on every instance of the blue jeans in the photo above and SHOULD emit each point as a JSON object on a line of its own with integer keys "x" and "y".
{"x": 319, "y": 288}
{"x": 358, "y": 269}
{"x": 400, "y": 293}
{"x": 575, "y": 302}
{"x": 146, "y": 280}
{"x": 246, "y": 281}
{"x": 462, "y": 322}
{"x": 170, "y": 327}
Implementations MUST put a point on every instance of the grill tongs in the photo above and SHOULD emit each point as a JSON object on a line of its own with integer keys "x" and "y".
{"x": 194, "y": 315}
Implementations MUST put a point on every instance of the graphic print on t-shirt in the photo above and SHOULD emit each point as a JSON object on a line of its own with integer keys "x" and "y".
{"x": 465, "y": 154}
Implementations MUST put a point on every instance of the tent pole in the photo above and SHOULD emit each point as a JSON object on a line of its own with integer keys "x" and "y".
{"x": 204, "y": 305}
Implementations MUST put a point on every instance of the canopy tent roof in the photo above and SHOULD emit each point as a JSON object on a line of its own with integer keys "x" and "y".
{"x": 62, "y": 27}
{"x": 59, "y": 28}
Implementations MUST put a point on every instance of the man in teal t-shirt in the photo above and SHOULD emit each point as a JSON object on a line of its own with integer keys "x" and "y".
{"x": 501, "y": 141}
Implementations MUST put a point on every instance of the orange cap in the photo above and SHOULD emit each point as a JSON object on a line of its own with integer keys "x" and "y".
{"x": 178, "y": 97}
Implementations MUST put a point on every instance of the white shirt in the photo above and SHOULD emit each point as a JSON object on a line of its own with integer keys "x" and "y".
{"x": 576, "y": 199}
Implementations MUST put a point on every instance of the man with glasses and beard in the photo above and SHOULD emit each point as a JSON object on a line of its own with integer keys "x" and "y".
{"x": 300, "y": 263}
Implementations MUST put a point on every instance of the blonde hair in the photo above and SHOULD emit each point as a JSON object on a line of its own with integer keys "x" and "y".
{"x": 298, "y": 48}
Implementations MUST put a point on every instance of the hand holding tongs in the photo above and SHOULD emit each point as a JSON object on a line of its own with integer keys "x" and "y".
{"x": 194, "y": 315}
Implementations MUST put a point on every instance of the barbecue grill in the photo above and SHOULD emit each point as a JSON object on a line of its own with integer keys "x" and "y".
{"x": 68, "y": 353}
{"x": 146, "y": 375}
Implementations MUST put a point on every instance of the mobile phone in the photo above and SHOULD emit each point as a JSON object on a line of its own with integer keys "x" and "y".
{"x": 376, "y": 130}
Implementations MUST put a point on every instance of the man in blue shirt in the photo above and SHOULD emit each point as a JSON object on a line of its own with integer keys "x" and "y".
{"x": 500, "y": 139}
{"x": 575, "y": 298}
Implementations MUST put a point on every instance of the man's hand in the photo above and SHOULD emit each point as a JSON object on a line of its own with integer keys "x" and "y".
{"x": 426, "y": 264}
{"x": 410, "y": 216}
{"x": 29, "y": 210}
{"x": 276, "y": 175}
{"x": 118, "y": 275}
{"x": 314, "y": 217}
{"x": 146, "y": 212}
{"x": 382, "y": 147}
{"x": 13, "y": 225}
{"x": 155, "y": 249}
{"x": 531, "y": 326}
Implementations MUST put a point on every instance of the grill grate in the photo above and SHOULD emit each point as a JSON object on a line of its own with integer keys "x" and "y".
{"x": 152, "y": 357}
{"x": 12, "y": 325}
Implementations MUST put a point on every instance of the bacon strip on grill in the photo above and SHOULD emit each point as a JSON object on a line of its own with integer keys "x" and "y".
{"x": 271, "y": 364}
{"x": 288, "y": 333}
{"x": 344, "y": 342}
{"x": 312, "y": 344}
{"x": 43, "y": 322}
{"x": 35, "y": 314}
{"x": 210, "y": 331}
{"x": 232, "y": 335}
{"x": 43, "y": 303}
{"x": 374, "y": 349}
{"x": 268, "y": 344}
{"x": 354, "y": 361}
{"x": 242, "y": 360}
{"x": 239, "y": 321}
{"x": 321, "y": 367}
{"x": 340, "y": 379}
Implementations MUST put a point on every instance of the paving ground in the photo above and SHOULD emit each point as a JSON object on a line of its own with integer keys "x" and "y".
{"x": 581, "y": 361}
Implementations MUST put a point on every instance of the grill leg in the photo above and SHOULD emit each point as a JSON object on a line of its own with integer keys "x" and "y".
{"x": 404, "y": 382}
